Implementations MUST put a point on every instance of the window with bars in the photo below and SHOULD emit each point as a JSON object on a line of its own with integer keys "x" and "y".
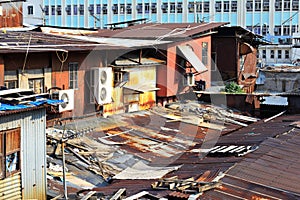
{"x": 30, "y": 10}
{"x": 122, "y": 8}
{"x": 153, "y": 8}
{"x": 279, "y": 54}
{"x": 73, "y": 75}
{"x": 286, "y": 5}
{"x": 147, "y": 8}
{"x": 98, "y": 9}
{"x": 226, "y": 6}
{"x": 295, "y": 5}
{"x": 191, "y": 7}
{"x": 233, "y": 6}
{"x": 11, "y": 84}
{"x": 179, "y": 7}
{"x": 272, "y": 54}
{"x": 287, "y": 54}
{"x": 75, "y": 9}
{"x": 218, "y": 6}
{"x": 115, "y": 9}
{"x": 129, "y": 8}
{"x": 206, "y": 7}
{"x": 68, "y": 9}
{"x": 266, "y": 5}
{"x": 91, "y": 9}
{"x": 58, "y": 10}
{"x": 257, "y": 5}
{"x": 249, "y": 5}
{"x": 81, "y": 9}
{"x": 172, "y": 7}
{"x": 10, "y": 146}
{"x": 52, "y": 10}
{"x": 104, "y": 9}
{"x": 46, "y": 10}
{"x": 278, "y": 5}
{"x": 37, "y": 85}
{"x": 164, "y": 7}
{"x": 139, "y": 8}
{"x": 198, "y": 7}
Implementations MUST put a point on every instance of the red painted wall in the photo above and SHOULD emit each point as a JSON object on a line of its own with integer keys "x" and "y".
{"x": 169, "y": 77}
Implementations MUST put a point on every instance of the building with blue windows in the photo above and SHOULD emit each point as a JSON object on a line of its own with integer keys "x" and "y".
{"x": 276, "y": 20}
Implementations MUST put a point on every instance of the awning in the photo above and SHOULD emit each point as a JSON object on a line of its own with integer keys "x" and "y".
{"x": 246, "y": 48}
{"x": 190, "y": 55}
{"x": 142, "y": 88}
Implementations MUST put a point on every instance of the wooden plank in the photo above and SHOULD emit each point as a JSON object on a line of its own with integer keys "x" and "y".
{"x": 118, "y": 194}
{"x": 88, "y": 195}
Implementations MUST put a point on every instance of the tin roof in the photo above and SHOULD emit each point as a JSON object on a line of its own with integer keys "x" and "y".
{"x": 32, "y": 41}
{"x": 162, "y": 31}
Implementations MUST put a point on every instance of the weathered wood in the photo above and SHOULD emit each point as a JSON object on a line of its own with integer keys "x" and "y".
{"x": 88, "y": 195}
{"x": 118, "y": 194}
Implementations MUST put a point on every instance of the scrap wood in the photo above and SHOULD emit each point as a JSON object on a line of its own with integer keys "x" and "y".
{"x": 88, "y": 195}
{"x": 186, "y": 185}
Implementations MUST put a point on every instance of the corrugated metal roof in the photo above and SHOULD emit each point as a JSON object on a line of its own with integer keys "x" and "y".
{"x": 161, "y": 31}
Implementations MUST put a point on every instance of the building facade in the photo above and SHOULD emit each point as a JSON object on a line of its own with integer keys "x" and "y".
{"x": 274, "y": 17}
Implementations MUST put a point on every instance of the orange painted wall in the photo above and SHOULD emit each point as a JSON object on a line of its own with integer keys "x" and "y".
{"x": 169, "y": 76}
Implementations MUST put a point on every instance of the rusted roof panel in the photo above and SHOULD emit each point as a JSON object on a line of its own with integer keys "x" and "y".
{"x": 161, "y": 31}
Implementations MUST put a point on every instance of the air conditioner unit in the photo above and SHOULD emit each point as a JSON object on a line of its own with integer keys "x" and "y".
{"x": 68, "y": 100}
{"x": 103, "y": 85}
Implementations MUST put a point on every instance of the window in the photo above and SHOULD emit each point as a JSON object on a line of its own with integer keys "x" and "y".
{"x": 279, "y": 54}
{"x": 37, "y": 85}
{"x": 104, "y": 9}
{"x": 234, "y": 6}
{"x": 172, "y": 7}
{"x": 191, "y": 7}
{"x": 11, "y": 84}
{"x": 58, "y": 10}
{"x": 75, "y": 10}
{"x": 46, "y": 10}
{"x": 30, "y": 10}
{"x": 115, "y": 8}
{"x": 179, "y": 7}
{"x": 206, "y": 7}
{"x": 164, "y": 7}
{"x": 73, "y": 75}
{"x": 139, "y": 8}
{"x": 122, "y": 8}
{"x": 264, "y": 54}
{"x": 153, "y": 8}
{"x": 120, "y": 77}
{"x": 226, "y": 6}
{"x": 52, "y": 10}
{"x": 277, "y": 30}
{"x": 272, "y": 54}
{"x": 10, "y": 145}
{"x": 91, "y": 9}
{"x": 286, "y": 5}
{"x": 266, "y": 5}
{"x": 257, "y": 5}
{"x": 204, "y": 53}
{"x": 278, "y": 5}
{"x": 68, "y": 9}
{"x": 287, "y": 54}
{"x": 81, "y": 9}
{"x": 218, "y": 6}
{"x": 249, "y": 5}
{"x": 295, "y": 5}
{"x": 198, "y": 7}
{"x": 147, "y": 8}
{"x": 98, "y": 9}
{"x": 286, "y": 30}
{"x": 128, "y": 9}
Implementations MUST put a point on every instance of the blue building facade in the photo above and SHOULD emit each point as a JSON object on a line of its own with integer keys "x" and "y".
{"x": 265, "y": 17}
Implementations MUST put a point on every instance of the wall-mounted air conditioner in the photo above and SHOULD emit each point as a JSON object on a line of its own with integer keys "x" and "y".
{"x": 68, "y": 100}
{"x": 103, "y": 85}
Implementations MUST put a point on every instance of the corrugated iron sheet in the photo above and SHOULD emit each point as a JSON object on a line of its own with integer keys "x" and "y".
{"x": 10, "y": 188}
{"x": 11, "y": 15}
{"x": 33, "y": 149}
